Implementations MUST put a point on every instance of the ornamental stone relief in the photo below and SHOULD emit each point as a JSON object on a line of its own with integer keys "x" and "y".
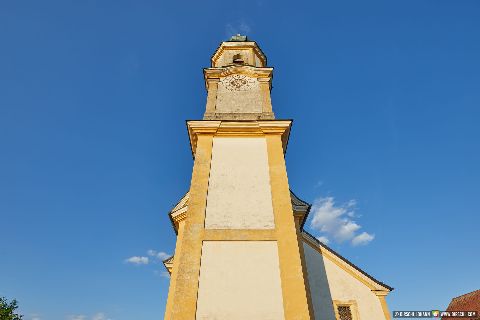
{"x": 239, "y": 82}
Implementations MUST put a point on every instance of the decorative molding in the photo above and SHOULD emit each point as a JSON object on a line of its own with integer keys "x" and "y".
{"x": 254, "y": 72}
{"x": 179, "y": 216}
{"x": 300, "y": 208}
{"x": 168, "y": 263}
{"x": 238, "y": 82}
{"x": 237, "y": 116}
{"x": 381, "y": 293}
{"x": 238, "y": 128}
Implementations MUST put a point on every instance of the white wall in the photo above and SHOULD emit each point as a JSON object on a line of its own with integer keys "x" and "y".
{"x": 318, "y": 283}
{"x": 239, "y": 280}
{"x": 239, "y": 194}
{"x": 323, "y": 274}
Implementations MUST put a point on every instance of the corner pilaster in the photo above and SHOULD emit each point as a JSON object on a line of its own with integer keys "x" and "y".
{"x": 183, "y": 306}
{"x": 296, "y": 302}
{"x": 383, "y": 302}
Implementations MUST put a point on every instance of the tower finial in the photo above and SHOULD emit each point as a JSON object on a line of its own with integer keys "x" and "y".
{"x": 238, "y": 38}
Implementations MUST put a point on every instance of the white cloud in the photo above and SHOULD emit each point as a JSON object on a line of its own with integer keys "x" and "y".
{"x": 35, "y": 316}
{"x": 241, "y": 27}
{"x": 136, "y": 260}
{"x": 96, "y": 316}
{"x": 319, "y": 184}
{"x": 100, "y": 316}
{"x": 346, "y": 230}
{"x": 160, "y": 255}
{"x": 163, "y": 274}
{"x": 336, "y": 221}
{"x": 152, "y": 257}
{"x": 323, "y": 239}
{"x": 362, "y": 239}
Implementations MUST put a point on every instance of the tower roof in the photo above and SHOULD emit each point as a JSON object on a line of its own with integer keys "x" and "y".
{"x": 247, "y": 51}
{"x": 467, "y": 302}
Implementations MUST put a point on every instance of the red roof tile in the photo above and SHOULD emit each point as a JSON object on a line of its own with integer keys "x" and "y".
{"x": 466, "y": 302}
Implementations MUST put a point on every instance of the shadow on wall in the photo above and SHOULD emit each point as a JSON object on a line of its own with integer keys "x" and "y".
{"x": 319, "y": 287}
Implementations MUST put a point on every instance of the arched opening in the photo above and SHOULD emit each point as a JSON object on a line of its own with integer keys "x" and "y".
{"x": 237, "y": 59}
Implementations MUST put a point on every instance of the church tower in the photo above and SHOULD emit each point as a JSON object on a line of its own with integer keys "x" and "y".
{"x": 238, "y": 252}
{"x": 240, "y": 243}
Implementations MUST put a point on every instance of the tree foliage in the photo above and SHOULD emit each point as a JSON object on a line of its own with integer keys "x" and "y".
{"x": 7, "y": 310}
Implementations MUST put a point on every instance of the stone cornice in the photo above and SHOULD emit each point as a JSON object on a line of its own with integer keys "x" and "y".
{"x": 238, "y": 128}
{"x": 381, "y": 293}
{"x": 213, "y": 74}
{"x": 236, "y": 69}
{"x": 168, "y": 263}
{"x": 179, "y": 215}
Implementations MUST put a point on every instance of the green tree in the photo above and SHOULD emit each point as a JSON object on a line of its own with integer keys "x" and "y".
{"x": 7, "y": 310}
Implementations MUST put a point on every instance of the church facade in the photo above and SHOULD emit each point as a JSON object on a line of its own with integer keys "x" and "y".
{"x": 241, "y": 250}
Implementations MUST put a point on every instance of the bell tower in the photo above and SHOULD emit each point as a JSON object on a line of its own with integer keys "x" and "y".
{"x": 238, "y": 82}
{"x": 239, "y": 252}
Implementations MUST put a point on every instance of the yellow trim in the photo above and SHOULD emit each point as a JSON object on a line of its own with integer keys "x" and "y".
{"x": 298, "y": 222}
{"x": 383, "y": 302}
{"x": 353, "y": 308}
{"x": 239, "y": 129}
{"x": 174, "y": 271}
{"x": 296, "y": 302}
{"x": 169, "y": 265}
{"x": 183, "y": 305}
{"x": 179, "y": 216}
{"x": 239, "y": 234}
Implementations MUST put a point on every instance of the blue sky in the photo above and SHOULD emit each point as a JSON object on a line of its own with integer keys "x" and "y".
{"x": 385, "y": 99}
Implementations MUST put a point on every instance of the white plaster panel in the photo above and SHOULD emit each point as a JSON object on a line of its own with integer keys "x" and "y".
{"x": 246, "y": 98}
{"x": 326, "y": 278}
{"x": 239, "y": 280}
{"x": 239, "y": 194}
